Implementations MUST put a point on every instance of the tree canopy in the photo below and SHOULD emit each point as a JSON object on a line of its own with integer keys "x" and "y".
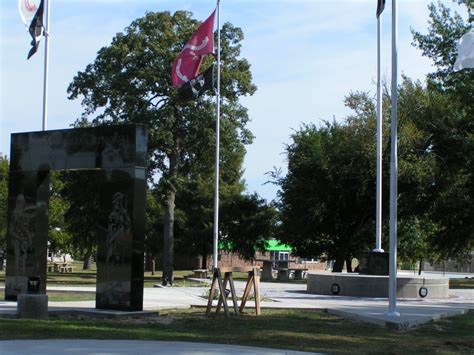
{"x": 449, "y": 124}
{"x": 129, "y": 81}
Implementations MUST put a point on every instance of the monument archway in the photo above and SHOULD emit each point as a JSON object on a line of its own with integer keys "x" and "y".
{"x": 119, "y": 152}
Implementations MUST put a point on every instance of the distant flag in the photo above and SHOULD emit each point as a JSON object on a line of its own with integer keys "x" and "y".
{"x": 196, "y": 87}
{"x": 27, "y": 9}
{"x": 36, "y": 28}
{"x": 380, "y": 7}
{"x": 187, "y": 63}
{"x": 465, "y": 49}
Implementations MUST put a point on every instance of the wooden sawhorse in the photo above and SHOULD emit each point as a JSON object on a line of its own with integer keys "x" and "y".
{"x": 253, "y": 280}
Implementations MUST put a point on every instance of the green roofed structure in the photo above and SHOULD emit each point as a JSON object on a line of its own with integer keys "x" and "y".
{"x": 270, "y": 245}
{"x": 276, "y": 245}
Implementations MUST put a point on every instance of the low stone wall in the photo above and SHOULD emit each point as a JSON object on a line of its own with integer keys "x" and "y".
{"x": 343, "y": 284}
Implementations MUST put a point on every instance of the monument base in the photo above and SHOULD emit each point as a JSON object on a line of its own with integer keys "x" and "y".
{"x": 356, "y": 285}
{"x": 32, "y": 306}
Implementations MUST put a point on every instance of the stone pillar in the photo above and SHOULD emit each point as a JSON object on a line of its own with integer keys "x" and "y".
{"x": 32, "y": 306}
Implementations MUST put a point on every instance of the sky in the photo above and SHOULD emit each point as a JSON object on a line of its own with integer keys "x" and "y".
{"x": 305, "y": 56}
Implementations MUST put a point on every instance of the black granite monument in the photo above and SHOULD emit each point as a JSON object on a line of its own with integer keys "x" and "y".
{"x": 374, "y": 263}
{"x": 119, "y": 152}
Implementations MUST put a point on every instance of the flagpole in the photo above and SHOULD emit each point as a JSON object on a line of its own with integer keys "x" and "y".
{"x": 392, "y": 287}
{"x": 46, "y": 66}
{"x": 378, "y": 217}
{"x": 218, "y": 115}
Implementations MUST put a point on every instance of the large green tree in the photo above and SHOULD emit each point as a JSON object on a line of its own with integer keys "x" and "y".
{"x": 248, "y": 221}
{"x": 449, "y": 123}
{"x": 82, "y": 216}
{"x": 129, "y": 81}
{"x": 327, "y": 199}
{"x": 58, "y": 236}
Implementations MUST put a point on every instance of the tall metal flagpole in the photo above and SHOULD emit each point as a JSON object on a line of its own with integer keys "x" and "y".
{"x": 392, "y": 287}
{"x": 378, "y": 217}
{"x": 218, "y": 115}
{"x": 46, "y": 66}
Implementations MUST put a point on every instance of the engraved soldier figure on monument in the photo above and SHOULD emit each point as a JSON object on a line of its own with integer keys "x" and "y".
{"x": 119, "y": 229}
{"x": 20, "y": 231}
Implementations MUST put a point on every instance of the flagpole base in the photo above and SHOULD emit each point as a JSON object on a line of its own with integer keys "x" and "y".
{"x": 378, "y": 250}
{"x": 392, "y": 314}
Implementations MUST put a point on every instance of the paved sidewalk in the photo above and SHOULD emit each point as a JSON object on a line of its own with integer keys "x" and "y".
{"x": 75, "y": 346}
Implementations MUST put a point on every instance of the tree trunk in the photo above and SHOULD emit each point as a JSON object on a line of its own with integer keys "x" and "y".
{"x": 340, "y": 259}
{"x": 339, "y": 264}
{"x": 168, "y": 240}
{"x": 349, "y": 263}
{"x": 87, "y": 265}
{"x": 169, "y": 206}
{"x": 204, "y": 261}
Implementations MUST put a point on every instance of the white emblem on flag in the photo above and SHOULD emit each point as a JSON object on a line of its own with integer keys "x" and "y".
{"x": 27, "y": 10}
{"x": 180, "y": 75}
{"x": 203, "y": 44}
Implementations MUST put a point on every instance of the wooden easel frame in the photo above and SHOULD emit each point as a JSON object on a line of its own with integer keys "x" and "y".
{"x": 253, "y": 280}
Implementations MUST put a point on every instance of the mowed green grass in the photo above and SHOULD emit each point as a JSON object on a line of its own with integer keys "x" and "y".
{"x": 69, "y": 296}
{"x": 461, "y": 283}
{"x": 81, "y": 277}
{"x": 283, "y": 329}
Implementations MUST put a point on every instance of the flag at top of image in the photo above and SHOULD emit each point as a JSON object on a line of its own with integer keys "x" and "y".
{"x": 31, "y": 13}
{"x": 27, "y": 9}
{"x": 186, "y": 65}
{"x": 465, "y": 52}
{"x": 380, "y": 7}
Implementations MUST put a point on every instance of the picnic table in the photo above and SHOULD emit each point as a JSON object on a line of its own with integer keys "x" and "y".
{"x": 284, "y": 273}
{"x": 60, "y": 267}
{"x": 282, "y": 269}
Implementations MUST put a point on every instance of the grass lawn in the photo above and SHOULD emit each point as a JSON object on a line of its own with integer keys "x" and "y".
{"x": 67, "y": 296}
{"x": 461, "y": 283}
{"x": 284, "y": 329}
{"x": 81, "y": 277}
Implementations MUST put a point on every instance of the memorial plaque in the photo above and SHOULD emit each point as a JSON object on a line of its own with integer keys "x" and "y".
{"x": 120, "y": 153}
{"x": 374, "y": 263}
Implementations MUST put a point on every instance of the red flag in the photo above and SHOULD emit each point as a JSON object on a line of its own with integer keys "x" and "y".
{"x": 187, "y": 63}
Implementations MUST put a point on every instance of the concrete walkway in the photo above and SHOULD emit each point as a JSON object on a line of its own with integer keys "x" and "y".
{"x": 75, "y": 346}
